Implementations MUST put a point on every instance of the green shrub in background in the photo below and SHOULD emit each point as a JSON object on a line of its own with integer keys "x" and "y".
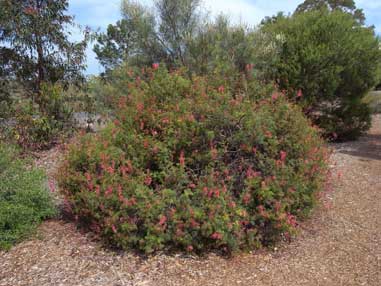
{"x": 373, "y": 100}
{"x": 24, "y": 199}
{"x": 191, "y": 164}
{"x": 40, "y": 122}
{"x": 331, "y": 61}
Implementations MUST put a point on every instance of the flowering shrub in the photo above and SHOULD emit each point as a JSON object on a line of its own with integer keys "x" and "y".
{"x": 186, "y": 164}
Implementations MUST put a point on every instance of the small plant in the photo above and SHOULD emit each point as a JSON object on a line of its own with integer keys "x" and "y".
{"x": 24, "y": 199}
{"x": 190, "y": 164}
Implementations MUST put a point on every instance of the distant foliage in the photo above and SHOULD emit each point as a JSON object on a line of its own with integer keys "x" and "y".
{"x": 24, "y": 199}
{"x": 194, "y": 165}
{"x": 347, "y": 6}
{"x": 328, "y": 62}
{"x": 373, "y": 100}
{"x": 35, "y": 45}
{"x": 38, "y": 124}
{"x": 178, "y": 34}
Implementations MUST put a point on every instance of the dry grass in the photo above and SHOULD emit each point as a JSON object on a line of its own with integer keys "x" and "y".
{"x": 339, "y": 245}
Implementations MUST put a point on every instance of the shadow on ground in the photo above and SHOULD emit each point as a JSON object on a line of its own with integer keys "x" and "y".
{"x": 368, "y": 147}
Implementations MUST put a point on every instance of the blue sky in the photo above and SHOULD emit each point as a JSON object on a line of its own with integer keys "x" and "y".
{"x": 100, "y": 13}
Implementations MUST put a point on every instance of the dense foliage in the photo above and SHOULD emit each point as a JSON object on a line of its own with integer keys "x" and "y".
{"x": 24, "y": 199}
{"x": 178, "y": 34}
{"x": 35, "y": 45}
{"x": 331, "y": 61}
{"x": 195, "y": 165}
{"x": 347, "y": 6}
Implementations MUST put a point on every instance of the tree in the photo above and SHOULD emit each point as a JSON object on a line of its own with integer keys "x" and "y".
{"x": 330, "y": 61}
{"x": 35, "y": 45}
{"x": 144, "y": 36}
{"x": 347, "y": 6}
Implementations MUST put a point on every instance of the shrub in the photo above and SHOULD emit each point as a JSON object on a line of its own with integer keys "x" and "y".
{"x": 40, "y": 123}
{"x": 189, "y": 165}
{"x": 333, "y": 61}
{"x": 373, "y": 100}
{"x": 24, "y": 200}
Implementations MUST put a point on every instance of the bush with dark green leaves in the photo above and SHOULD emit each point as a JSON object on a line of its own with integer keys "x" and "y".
{"x": 24, "y": 198}
{"x": 41, "y": 122}
{"x": 331, "y": 62}
{"x": 194, "y": 165}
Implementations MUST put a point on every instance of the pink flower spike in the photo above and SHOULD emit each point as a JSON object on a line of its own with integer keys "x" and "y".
{"x": 283, "y": 156}
{"x": 52, "y": 188}
{"x": 155, "y": 66}
{"x": 182, "y": 159}
{"x": 299, "y": 94}
{"x": 114, "y": 229}
{"x": 274, "y": 96}
{"x": 216, "y": 236}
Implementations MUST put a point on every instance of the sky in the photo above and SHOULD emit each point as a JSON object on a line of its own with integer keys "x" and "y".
{"x": 97, "y": 14}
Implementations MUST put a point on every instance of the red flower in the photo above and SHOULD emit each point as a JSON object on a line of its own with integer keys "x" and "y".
{"x": 190, "y": 248}
{"x": 113, "y": 227}
{"x": 291, "y": 220}
{"x": 246, "y": 198}
{"x": 274, "y": 96}
{"x": 155, "y": 66}
{"x": 249, "y": 67}
{"x": 165, "y": 120}
{"x": 283, "y": 156}
{"x": 108, "y": 191}
{"x": 163, "y": 220}
{"x": 221, "y": 89}
{"x": 182, "y": 159}
{"x": 299, "y": 93}
{"x": 214, "y": 153}
{"x": 216, "y": 236}
{"x": 51, "y": 186}
{"x": 30, "y": 11}
{"x": 148, "y": 180}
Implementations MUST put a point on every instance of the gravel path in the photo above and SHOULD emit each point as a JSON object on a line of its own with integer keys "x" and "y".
{"x": 339, "y": 245}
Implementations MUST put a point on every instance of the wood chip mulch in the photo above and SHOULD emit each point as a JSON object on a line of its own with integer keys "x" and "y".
{"x": 339, "y": 245}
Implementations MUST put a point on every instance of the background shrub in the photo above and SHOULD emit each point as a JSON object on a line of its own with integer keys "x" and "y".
{"x": 24, "y": 199}
{"x": 333, "y": 61}
{"x": 373, "y": 100}
{"x": 40, "y": 122}
{"x": 189, "y": 164}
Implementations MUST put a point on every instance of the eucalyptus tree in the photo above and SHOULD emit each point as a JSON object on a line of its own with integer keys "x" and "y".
{"x": 35, "y": 43}
{"x": 348, "y": 6}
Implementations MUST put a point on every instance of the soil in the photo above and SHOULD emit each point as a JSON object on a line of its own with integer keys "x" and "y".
{"x": 339, "y": 245}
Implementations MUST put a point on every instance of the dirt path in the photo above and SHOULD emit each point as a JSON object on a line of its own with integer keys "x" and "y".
{"x": 339, "y": 245}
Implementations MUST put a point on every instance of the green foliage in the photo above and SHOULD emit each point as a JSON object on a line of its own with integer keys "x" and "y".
{"x": 34, "y": 43}
{"x": 5, "y": 99}
{"x": 195, "y": 165}
{"x": 332, "y": 61}
{"x": 181, "y": 36}
{"x": 373, "y": 100}
{"x": 38, "y": 125}
{"x": 144, "y": 36}
{"x": 24, "y": 199}
{"x": 348, "y": 6}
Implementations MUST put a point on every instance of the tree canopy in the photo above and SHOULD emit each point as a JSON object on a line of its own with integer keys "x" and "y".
{"x": 348, "y": 6}
{"x": 35, "y": 44}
